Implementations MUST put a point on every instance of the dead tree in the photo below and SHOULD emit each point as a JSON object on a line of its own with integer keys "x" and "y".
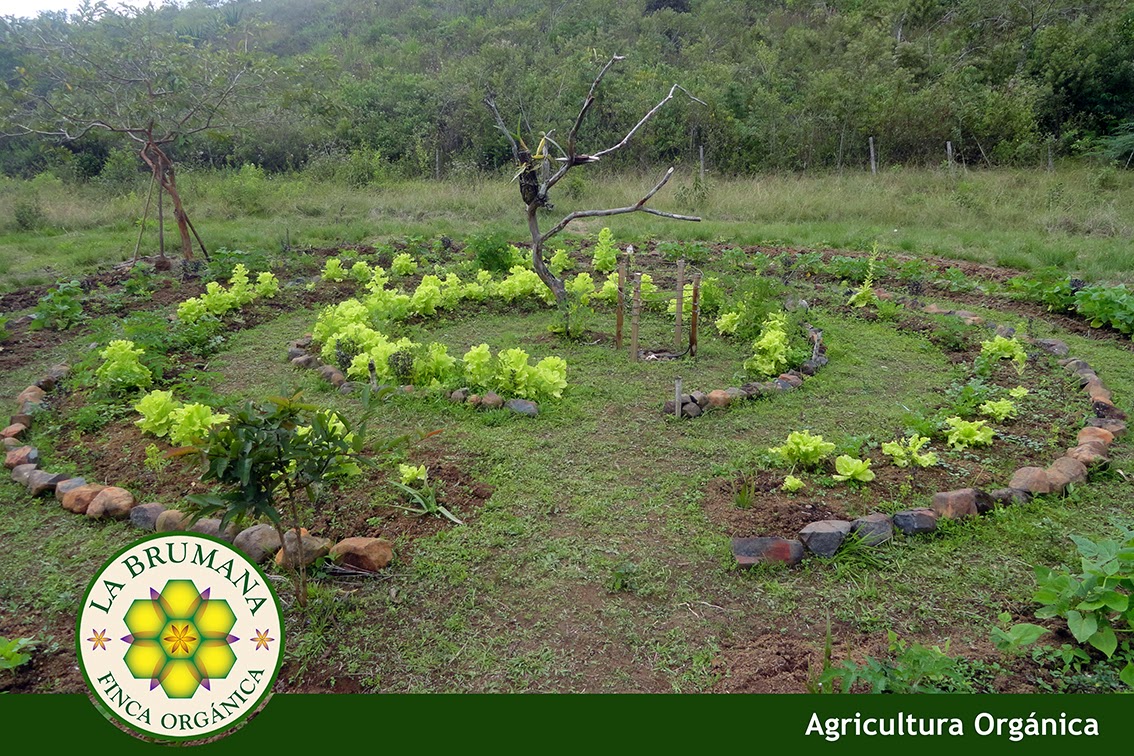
{"x": 537, "y": 179}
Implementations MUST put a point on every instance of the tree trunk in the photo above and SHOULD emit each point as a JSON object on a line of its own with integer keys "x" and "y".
{"x": 544, "y": 273}
{"x": 179, "y": 213}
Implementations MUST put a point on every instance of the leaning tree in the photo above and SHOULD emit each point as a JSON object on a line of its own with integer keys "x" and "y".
{"x": 129, "y": 73}
{"x": 539, "y": 172}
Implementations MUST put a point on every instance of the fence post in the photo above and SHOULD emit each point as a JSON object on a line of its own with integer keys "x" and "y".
{"x": 873, "y": 158}
{"x": 634, "y": 315}
{"x": 621, "y": 304}
{"x": 680, "y": 304}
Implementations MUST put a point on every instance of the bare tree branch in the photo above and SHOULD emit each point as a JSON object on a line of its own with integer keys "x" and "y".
{"x": 490, "y": 101}
{"x": 647, "y": 117}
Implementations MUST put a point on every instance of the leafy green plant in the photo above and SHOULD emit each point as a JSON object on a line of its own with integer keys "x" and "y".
{"x": 792, "y": 484}
{"x": 1000, "y": 348}
{"x": 965, "y": 433}
{"x": 911, "y": 668}
{"x": 490, "y": 252}
{"x": 267, "y": 285}
{"x": 999, "y": 410}
{"x": 770, "y": 350}
{"x": 403, "y": 264}
{"x": 333, "y": 270}
{"x": 622, "y": 578}
{"x": 803, "y": 449}
{"x": 15, "y": 652}
{"x": 156, "y": 461}
{"x": 60, "y": 308}
{"x": 5, "y": 334}
{"x": 122, "y": 368}
{"x": 156, "y": 409}
{"x": 909, "y": 452}
{"x": 864, "y": 295}
{"x": 191, "y": 424}
{"x": 560, "y": 261}
{"x": 850, "y": 469}
{"x": 605, "y": 257}
{"x": 422, "y": 498}
{"x": 1012, "y": 639}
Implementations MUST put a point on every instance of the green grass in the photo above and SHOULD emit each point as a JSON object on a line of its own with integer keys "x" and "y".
{"x": 1016, "y": 218}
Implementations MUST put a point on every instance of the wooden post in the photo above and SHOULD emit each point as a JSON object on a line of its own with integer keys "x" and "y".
{"x": 677, "y": 398}
{"x": 873, "y": 158}
{"x": 702, "y": 150}
{"x": 680, "y": 305}
{"x": 949, "y": 155}
{"x": 1050, "y": 161}
{"x": 634, "y": 316}
{"x": 693, "y": 315}
{"x": 621, "y": 304}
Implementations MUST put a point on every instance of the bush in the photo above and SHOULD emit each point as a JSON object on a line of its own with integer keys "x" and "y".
{"x": 490, "y": 252}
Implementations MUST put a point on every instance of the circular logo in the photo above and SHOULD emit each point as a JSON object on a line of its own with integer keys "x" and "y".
{"x": 180, "y": 636}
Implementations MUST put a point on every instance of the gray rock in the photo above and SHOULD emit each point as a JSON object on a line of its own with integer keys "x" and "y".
{"x": 824, "y": 538}
{"x": 42, "y": 482}
{"x": 523, "y": 407}
{"x": 914, "y": 521}
{"x": 306, "y": 361}
{"x": 259, "y": 542}
{"x": 492, "y": 400}
{"x": 145, "y": 516}
{"x": 762, "y": 550}
{"x": 22, "y": 473}
{"x": 691, "y": 410}
{"x": 460, "y": 395}
{"x": 784, "y": 385}
{"x": 1005, "y": 331}
{"x": 63, "y": 487}
{"x": 700, "y": 398}
{"x": 348, "y": 388}
{"x": 1004, "y": 497}
{"x": 1116, "y": 427}
{"x": 874, "y": 529}
{"x": 294, "y": 352}
{"x": 11, "y": 443}
{"x": 309, "y": 549}
{"x": 210, "y": 526}
{"x": 735, "y": 393}
{"x": 1053, "y": 346}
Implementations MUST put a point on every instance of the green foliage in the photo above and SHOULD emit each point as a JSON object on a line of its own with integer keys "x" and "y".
{"x": 422, "y": 497}
{"x": 15, "y": 652}
{"x": 803, "y": 449}
{"x": 511, "y": 375}
{"x": 999, "y": 410}
{"x": 156, "y": 409}
{"x": 490, "y": 252}
{"x": 864, "y": 295}
{"x": 911, "y": 668}
{"x": 905, "y": 454}
{"x": 792, "y": 484}
{"x": 333, "y": 270}
{"x": 1096, "y": 599}
{"x": 156, "y": 461}
{"x": 28, "y": 215}
{"x": 605, "y": 257}
{"x": 560, "y": 261}
{"x": 1013, "y": 639}
{"x": 850, "y": 469}
{"x": 122, "y": 369}
{"x": 5, "y": 334}
{"x": 1107, "y": 306}
{"x": 267, "y": 285}
{"x": 191, "y": 424}
{"x": 770, "y": 350}
{"x": 1000, "y": 348}
{"x": 403, "y": 264}
{"x": 60, "y": 308}
{"x": 963, "y": 434}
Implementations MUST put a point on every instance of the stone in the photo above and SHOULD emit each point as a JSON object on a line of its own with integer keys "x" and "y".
{"x": 719, "y": 398}
{"x": 348, "y": 387}
{"x": 24, "y": 420}
{"x": 78, "y": 499}
{"x": 492, "y": 400}
{"x": 407, "y": 388}
{"x": 794, "y": 380}
{"x": 15, "y": 430}
{"x": 70, "y": 484}
{"x": 1034, "y": 480}
{"x": 1005, "y": 331}
{"x": 32, "y": 395}
{"x": 22, "y": 473}
{"x": 42, "y": 482}
{"x": 1003, "y": 497}
{"x": 1086, "y": 376}
{"x": 145, "y": 516}
{"x": 304, "y": 342}
{"x": 1064, "y": 472}
{"x": 1107, "y": 410}
{"x": 874, "y": 529}
{"x": 1091, "y": 433}
{"x": 211, "y": 526}
{"x": 59, "y": 371}
{"x": 111, "y": 502}
{"x": 1088, "y": 455}
{"x": 1098, "y": 392}
{"x": 30, "y": 408}
{"x": 332, "y": 375}
{"x": 811, "y": 367}
{"x": 171, "y": 520}
{"x": 1053, "y": 346}
{"x": 764, "y": 550}
{"x": 369, "y": 554}
{"x": 735, "y": 394}
{"x": 700, "y": 398}
{"x": 964, "y": 502}
{"x": 475, "y": 400}
{"x": 933, "y": 309}
{"x": 1074, "y": 364}
{"x": 824, "y": 538}
{"x": 10, "y": 443}
{"x": 523, "y": 407}
{"x": 47, "y": 383}
{"x": 914, "y": 521}
{"x": 307, "y": 548}
{"x": 21, "y": 455}
{"x": 460, "y": 395}
{"x": 691, "y": 410}
{"x": 258, "y": 542}
{"x": 306, "y": 361}
{"x": 1117, "y": 428}
{"x": 294, "y": 352}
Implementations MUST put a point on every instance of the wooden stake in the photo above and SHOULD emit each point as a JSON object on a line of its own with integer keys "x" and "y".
{"x": 621, "y": 304}
{"x": 873, "y": 159}
{"x": 949, "y": 155}
{"x": 145, "y": 214}
{"x": 693, "y": 315}
{"x": 702, "y": 150}
{"x": 677, "y": 398}
{"x": 680, "y": 305}
{"x": 635, "y": 314}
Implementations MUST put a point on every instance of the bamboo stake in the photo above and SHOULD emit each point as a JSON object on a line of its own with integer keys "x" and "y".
{"x": 621, "y": 304}
{"x": 634, "y": 316}
{"x": 680, "y": 305}
{"x": 693, "y": 315}
{"x": 145, "y": 214}
{"x": 677, "y": 398}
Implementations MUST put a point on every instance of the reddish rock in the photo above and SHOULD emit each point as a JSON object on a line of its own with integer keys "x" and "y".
{"x": 24, "y": 420}
{"x": 113, "y": 502}
{"x": 1089, "y": 455}
{"x": 459, "y": 396}
{"x": 964, "y": 502}
{"x": 10, "y": 443}
{"x": 915, "y": 521}
{"x": 309, "y": 548}
{"x": 475, "y": 399}
{"x": 306, "y": 361}
{"x": 933, "y": 309}
{"x": 1034, "y": 480}
{"x": 47, "y": 383}
{"x": 874, "y": 529}
{"x": 793, "y": 380}
{"x": 824, "y": 538}
{"x": 719, "y": 398}
{"x": 751, "y": 551}
{"x": 21, "y": 455}
{"x": 332, "y": 375}
{"x": 77, "y": 500}
{"x": 370, "y": 554}
{"x": 1065, "y": 471}
{"x": 171, "y": 520}
{"x": 1117, "y": 428}
{"x": 1098, "y": 392}
{"x": 31, "y": 395}
{"x": 1091, "y": 433}
{"x": 68, "y": 485}
{"x": 15, "y": 430}
{"x": 492, "y": 400}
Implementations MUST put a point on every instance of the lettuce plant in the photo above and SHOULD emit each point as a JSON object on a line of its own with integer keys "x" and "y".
{"x": 156, "y": 409}
{"x": 410, "y": 474}
{"x": 403, "y": 264}
{"x": 333, "y": 270}
{"x": 267, "y": 285}
{"x": 792, "y": 484}
{"x": 965, "y": 433}
{"x": 804, "y": 449}
{"x": 122, "y": 368}
{"x": 999, "y": 410}
{"x": 905, "y": 454}
{"x": 560, "y": 262}
{"x": 770, "y": 350}
{"x": 606, "y": 254}
{"x": 1000, "y": 348}
{"x": 191, "y": 424}
{"x": 851, "y": 469}
{"x": 361, "y": 272}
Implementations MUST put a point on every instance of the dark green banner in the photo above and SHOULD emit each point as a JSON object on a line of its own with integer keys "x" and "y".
{"x": 819, "y": 724}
